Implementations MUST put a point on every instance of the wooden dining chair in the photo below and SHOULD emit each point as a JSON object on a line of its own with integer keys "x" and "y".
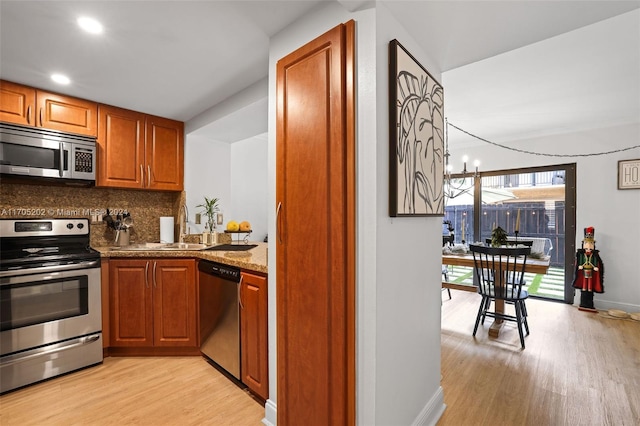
{"x": 446, "y": 239}
{"x": 514, "y": 243}
{"x": 500, "y": 275}
{"x": 445, "y": 275}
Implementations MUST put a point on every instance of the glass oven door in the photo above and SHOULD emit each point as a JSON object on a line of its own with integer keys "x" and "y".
{"x": 36, "y": 303}
{"x": 49, "y": 307}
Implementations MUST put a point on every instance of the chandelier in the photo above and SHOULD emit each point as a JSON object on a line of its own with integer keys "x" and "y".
{"x": 459, "y": 183}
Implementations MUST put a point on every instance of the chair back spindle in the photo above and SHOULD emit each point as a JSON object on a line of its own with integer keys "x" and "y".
{"x": 500, "y": 270}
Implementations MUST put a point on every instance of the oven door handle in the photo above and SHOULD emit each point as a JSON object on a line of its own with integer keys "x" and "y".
{"x": 25, "y": 356}
{"x": 49, "y": 269}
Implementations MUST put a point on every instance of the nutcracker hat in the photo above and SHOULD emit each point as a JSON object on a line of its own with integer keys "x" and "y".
{"x": 589, "y": 234}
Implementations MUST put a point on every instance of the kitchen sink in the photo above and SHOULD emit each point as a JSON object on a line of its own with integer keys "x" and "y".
{"x": 185, "y": 246}
{"x": 163, "y": 246}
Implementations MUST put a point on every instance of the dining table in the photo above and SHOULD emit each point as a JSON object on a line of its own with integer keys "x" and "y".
{"x": 532, "y": 265}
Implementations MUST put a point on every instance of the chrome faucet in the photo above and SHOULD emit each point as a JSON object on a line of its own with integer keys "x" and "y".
{"x": 183, "y": 219}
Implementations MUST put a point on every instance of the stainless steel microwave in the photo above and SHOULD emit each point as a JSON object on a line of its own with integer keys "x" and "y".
{"x": 42, "y": 153}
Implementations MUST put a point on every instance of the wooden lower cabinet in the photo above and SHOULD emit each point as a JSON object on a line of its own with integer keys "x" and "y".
{"x": 254, "y": 347}
{"x": 152, "y": 303}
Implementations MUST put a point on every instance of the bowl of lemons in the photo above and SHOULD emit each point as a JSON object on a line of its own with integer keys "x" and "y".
{"x": 234, "y": 226}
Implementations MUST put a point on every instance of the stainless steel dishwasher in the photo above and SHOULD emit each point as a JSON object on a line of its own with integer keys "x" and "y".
{"x": 219, "y": 315}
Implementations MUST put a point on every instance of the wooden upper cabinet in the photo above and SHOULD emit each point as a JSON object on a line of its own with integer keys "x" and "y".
{"x": 164, "y": 154}
{"x": 28, "y": 106}
{"x": 140, "y": 151}
{"x": 120, "y": 148}
{"x": 135, "y": 150}
{"x": 17, "y": 103}
{"x": 67, "y": 114}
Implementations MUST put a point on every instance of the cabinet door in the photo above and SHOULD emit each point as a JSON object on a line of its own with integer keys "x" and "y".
{"x": 17, "y": 103}
{"x": 164, "y": 154}
{"x": 315, "y": 195}
{"x": 120, "y": 148}
{"x": 67, "y": 114}
{"x": 174, "y": 300}
{"x": 254, "y": 334}
{"x": 131, "y": 307}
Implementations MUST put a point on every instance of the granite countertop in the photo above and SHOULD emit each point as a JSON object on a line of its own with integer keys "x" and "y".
{"x": 250, "y": 260}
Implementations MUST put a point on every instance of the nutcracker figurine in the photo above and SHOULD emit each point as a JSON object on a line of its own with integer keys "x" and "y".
{"x": 589, "y": 273}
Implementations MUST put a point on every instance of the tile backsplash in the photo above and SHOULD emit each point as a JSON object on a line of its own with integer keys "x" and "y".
{"x": 39, "y": 201}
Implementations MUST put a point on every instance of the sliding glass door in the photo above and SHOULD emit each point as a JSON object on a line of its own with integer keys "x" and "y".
{"x": 537, "y": 202}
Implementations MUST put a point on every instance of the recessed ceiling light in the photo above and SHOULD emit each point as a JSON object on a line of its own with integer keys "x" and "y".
{"x": 90, "y": 25}
{"x": 60, "y": 79}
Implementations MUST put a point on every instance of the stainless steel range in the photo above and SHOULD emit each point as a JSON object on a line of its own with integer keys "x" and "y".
{"x": 50, "y": 311}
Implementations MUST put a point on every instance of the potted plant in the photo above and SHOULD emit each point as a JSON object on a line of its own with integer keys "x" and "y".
{"x": 498, "y": 237}
{"x": 210, "y": 207}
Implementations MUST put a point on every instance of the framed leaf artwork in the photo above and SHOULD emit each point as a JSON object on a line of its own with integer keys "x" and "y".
{"x": 416, "y": 137}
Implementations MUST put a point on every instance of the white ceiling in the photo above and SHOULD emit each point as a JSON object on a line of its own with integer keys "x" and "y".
{"x": 169, "y": 58}
{"x": 179, "y": 58}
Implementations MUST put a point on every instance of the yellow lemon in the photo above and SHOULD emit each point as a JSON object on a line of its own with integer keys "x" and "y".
{"x": 233, "y": 226}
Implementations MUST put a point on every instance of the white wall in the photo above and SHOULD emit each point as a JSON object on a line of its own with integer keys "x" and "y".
{"x": 238, "y": 109}
{"x": 249, "y": 185}
{"x": 235, "y": 173}
{"x": 398, "y": 260}
{"x": 613, "y": 212}
{"x": 409, "y": 274}
{"x": 207, "y": 172}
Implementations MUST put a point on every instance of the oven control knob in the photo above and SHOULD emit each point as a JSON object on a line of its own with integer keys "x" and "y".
{"x": 80, "y": 225}
{"x": 69, "y": 225}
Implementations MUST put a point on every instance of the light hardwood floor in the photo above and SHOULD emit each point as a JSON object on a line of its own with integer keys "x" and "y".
{"x": 134, "y": 391}
{"x": 578, "y": 368}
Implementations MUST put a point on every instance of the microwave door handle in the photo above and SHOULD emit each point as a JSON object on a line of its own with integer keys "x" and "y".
{"x": 61, "y": 159}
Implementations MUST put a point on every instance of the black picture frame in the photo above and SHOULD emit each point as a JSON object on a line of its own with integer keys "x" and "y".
{"x": 416, "y": 137}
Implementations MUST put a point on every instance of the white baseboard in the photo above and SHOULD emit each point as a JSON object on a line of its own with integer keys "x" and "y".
{"x": 605, "y": 305}
{"x": 432, "y": 411}
{"x": 270, "y": 414}
{"x": 429, "y": 415}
